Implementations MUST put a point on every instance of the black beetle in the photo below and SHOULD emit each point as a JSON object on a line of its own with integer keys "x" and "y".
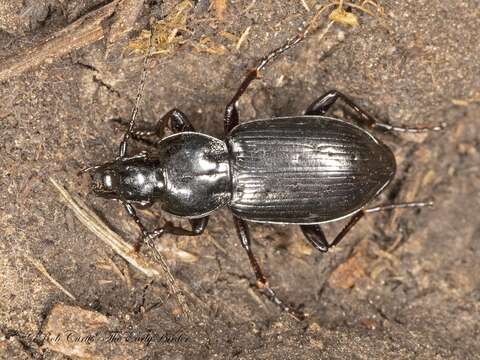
{"x": 304, "y": 170}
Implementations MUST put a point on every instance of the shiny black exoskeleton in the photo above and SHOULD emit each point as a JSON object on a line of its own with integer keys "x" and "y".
{"x": 299, "y": 170}
{"x": 304, "y": 170}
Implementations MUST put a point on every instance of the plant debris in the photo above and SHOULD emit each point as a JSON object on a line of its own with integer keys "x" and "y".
{"x": 339, "y": 15}
{"x": 125, "y": 250}
{"x": 220, "y": 6}
{"x": 206, "y": 44}
{"x": 166, "y": 34}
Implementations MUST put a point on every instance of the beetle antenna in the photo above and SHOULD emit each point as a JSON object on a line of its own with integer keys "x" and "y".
{"x": 141, "y": 86}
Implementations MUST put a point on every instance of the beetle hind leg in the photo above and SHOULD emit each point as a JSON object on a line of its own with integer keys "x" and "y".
{"x": 315, "y": 236}
{"x": 261, "y": 283}
{"x": 324, "y": 102}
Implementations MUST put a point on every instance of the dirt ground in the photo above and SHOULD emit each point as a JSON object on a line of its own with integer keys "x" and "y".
{"x": 403, "y": 284}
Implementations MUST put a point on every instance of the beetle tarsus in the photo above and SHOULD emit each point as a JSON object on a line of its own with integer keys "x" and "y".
{"x": 261, "y": 283}
{"x": 407, "y": 205}
{"x": 272, "y": 296}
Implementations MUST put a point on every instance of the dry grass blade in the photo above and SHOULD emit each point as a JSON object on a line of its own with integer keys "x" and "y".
{"x": 243, "y": 37}
{"x": 39, "y": 266}
{"x": 220, "y": 7}
{"x": 305, "y": 5}
{"x": 125, "y": 250}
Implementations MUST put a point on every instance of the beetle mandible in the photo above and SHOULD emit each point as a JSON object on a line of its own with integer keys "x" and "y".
{"x": 305, "y": 170}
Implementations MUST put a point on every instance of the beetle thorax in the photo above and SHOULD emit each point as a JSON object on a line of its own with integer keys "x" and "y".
{"x": 196, "y": 174}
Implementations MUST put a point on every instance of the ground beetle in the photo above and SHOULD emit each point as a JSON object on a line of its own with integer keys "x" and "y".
{"x": 305, "y": 170}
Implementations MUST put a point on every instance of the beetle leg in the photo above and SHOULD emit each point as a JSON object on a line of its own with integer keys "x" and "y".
{"x": 146, "y": 235}
{"x": 231, "y": 112}
{"x": 355, "y": 218}
{"x": 323, "y": 103}
{"x": 417, "y": 204}
{"x": 178, "y": 121}
{"x": 315, "y": 236}
{"x": 133, "y": 214}
{"x": 198, "y": 227}
{"x": 361, "y": 214}
{"x": 262, "y": 284}
{"x": 175, "y": 120}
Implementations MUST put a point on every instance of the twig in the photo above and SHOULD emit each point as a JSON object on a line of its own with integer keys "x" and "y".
{"x": 126, "y": 15}
{"x": 39, "y": 266}
{"x": 305, "y": 5}
{"x": 125, "y": 250}
{"x": 84, "y": 31}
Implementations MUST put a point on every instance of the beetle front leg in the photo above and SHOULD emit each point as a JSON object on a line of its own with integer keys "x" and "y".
{"x": 323, "y": 103}
{"x": 261, "y": 283}
{"x": 175, "y": 120}
{"x": 133, "y": 214}
{"x": 198, "y": 227}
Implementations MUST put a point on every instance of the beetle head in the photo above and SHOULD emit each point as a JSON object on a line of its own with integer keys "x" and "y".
{"x": 105, "y": 180}
{"x": 132, "y": 179}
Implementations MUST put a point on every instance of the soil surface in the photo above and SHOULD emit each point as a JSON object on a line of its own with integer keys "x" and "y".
{"x": 403, "y": 284}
